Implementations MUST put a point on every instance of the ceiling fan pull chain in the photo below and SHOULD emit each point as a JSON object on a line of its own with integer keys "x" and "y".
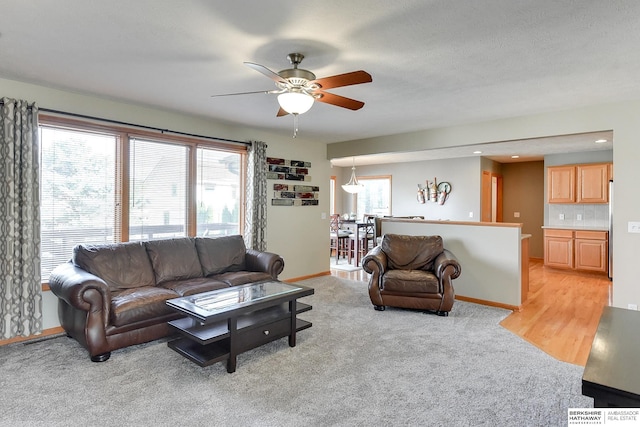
{"x": 295, "y": 125}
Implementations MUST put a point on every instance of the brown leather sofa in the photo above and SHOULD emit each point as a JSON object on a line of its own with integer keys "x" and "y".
{"x": 114, "y": 295}
{"x": 411, "y": 272}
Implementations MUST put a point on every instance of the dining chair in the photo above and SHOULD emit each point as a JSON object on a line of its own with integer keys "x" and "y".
{"x": 367, "y": 236}
{"x": 338, "y": 239}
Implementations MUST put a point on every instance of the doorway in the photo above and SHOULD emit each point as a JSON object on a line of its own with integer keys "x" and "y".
{"x": 491, "y": 197}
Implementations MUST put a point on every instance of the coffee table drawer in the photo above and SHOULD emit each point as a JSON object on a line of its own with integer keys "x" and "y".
{"x": 255, "y": 337}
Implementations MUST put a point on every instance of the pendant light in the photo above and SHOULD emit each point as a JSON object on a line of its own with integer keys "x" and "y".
{"x": 353, "y": 186}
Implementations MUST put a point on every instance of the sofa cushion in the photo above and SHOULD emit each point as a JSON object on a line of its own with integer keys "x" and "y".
{"x": 411, "y": 252}
{"x": 120, "y": 265}
{"x": 235, "y": 278}
{"x": 194, "y": 286}
{"x": 410, "y": 282}
{"x": 174, "y": 259}
{"x": 134, "y": 305}
{"x": 220, "y": 254}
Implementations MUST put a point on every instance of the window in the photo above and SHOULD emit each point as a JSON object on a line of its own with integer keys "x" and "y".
{"x": 158, "y": 190}
{"x": 77, "y": 187}
{"x": 218, "y": 192}
{"x": 375, "y": 198}
{"x": 101, "y": 184}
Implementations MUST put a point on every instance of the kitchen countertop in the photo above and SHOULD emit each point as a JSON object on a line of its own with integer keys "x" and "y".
{"x": 576, "y": 227}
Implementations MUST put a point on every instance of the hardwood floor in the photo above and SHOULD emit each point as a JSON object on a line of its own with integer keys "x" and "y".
{"x": 561, "y": 314}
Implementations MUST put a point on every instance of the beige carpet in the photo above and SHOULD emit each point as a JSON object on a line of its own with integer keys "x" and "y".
{"x": 354, "y": 367}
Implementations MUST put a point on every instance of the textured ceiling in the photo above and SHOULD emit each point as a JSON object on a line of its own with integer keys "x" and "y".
{"x": 434, "y": 63}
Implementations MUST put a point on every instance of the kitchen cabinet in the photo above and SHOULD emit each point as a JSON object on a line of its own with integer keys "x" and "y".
{"x": 588, "y": 183}
{"x": 593, "y": 183}
{"x": 591, "y": 250}
{"x": 558, "y": 248}
{"x": 561, "y": 184}
{"x": 576, "y": 249}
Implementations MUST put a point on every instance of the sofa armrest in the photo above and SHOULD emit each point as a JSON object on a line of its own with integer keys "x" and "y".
{"x": 443, "y": 261}
{"x": 375, "y": 263}
{"x": 80, "y": 289}
{"x": 264, "y": 261}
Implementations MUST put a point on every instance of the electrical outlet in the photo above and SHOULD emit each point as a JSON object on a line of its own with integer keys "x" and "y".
{"x": 562, "y": 216}
{"x": 579, "y": 217}
{"x": 516, "y": 214}
{"x": 470, "y": 214}
{"x": 633, "y": 227}
{"x": 632, "y": 306}
{"x": 323, "y": 215}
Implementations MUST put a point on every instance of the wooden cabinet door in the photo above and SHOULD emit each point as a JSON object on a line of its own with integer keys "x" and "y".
{"x": 558, "y": 248}
{"x": 591, "y": 251}
{"x": 591, "y": 255}
{"x": 593, "y": 183}
{"x": 561, "y": 184}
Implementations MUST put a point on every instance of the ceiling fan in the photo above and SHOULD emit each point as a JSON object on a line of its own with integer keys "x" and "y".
{"x": 297, "y": 89}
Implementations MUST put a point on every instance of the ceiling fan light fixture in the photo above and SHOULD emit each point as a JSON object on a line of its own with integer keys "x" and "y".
{"x": 295, "y": 102}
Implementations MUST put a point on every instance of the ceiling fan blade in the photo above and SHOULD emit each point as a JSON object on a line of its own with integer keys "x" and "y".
{"x": 340, "y": 101}
{"x": 346, "y": 79}
{"x": 281, "y": 112}
{"x": 246, "y": 93}
{"x": 267, "y": 72}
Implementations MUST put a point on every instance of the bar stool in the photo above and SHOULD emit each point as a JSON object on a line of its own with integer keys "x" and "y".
{"x": 338, "y": 239}
{"x": 367, "y": 235}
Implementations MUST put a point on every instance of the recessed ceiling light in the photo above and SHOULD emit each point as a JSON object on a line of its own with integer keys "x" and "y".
{"x": 477, "y": 152}
{"x": 515, "y": 157}
{"x": 600, "y": 141}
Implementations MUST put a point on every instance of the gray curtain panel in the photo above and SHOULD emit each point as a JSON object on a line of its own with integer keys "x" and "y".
{"x": 21, "y": 290}
{"x": 255, "y": 228}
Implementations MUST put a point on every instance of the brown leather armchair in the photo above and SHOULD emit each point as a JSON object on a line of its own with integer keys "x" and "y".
{"x": 412, "y": 272}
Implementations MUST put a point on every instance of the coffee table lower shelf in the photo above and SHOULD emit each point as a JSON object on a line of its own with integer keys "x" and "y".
{"x": 212, "y": 343}
{"x": 203, "y": 355}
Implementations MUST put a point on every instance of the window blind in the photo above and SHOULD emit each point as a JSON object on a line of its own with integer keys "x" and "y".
{"x": 157, "y": 190}
{"x": 77, "y": 192}
{"x": 218, "y": 192}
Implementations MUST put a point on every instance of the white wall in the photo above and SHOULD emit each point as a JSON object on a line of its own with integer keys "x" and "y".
{"x": 622, "y": 118}
{"x": 299, "y": 233}
{"x": 462, "y": 173}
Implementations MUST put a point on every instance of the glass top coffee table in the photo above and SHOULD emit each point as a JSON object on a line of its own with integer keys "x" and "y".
{"x": 223, "y": 323}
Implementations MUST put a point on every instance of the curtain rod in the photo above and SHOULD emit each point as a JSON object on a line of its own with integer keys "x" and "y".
{"x": 117, "y": 122}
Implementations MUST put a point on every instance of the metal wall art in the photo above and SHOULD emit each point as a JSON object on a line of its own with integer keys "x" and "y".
{"x": 291, "y": 170}
{"x": 433, "y": 192}
{"x": 291, "y": 194}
